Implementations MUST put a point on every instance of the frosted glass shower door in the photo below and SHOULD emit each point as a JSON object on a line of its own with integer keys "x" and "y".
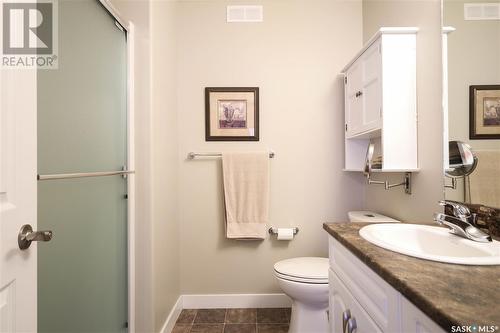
{"x": 82, "y": 127}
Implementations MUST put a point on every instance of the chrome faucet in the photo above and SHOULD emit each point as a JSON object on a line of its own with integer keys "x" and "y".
{"x": 462, "y": 223}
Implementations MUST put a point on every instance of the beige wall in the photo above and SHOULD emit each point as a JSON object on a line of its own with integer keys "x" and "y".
{"x": 164, "y": 150}
{"x": 294, "y": 56}
{"x": 428, "y": 183}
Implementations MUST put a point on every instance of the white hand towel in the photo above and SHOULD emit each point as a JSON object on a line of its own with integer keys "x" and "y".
{"x": 246, "y": 194}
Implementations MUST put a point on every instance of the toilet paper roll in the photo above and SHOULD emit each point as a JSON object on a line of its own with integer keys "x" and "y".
{"x": 285, "y": 233}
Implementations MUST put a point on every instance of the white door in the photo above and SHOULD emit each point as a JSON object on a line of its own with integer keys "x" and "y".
{"x": 18, "y": 270}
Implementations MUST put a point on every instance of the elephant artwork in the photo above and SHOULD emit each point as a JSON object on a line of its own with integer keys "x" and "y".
{"x": 232, "y": 114}
{"x": 491, "y": 115}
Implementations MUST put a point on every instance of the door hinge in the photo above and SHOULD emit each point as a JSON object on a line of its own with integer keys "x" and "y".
{"x": 346, "y": 127}
{"x": 345, "y": 79}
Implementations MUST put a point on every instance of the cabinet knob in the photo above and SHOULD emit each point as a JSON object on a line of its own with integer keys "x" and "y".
{"x": 359, "y": 93}
{"x": 346, "y": 315}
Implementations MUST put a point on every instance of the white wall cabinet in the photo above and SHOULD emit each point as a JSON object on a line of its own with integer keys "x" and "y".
{"x": 374, "y": 305}
{"x": 380, "y": 101}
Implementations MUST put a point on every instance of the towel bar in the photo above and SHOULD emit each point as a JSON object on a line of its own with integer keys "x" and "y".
{"x": 193, "y": 155}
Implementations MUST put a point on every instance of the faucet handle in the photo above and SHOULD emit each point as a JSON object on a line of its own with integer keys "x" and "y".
{"x": 459, "y": 210}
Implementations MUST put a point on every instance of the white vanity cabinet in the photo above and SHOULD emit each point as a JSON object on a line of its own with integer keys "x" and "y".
{"x": 359, "y": 295}
{"x": 380, "y": 101}
{"x": 347, "y": 314}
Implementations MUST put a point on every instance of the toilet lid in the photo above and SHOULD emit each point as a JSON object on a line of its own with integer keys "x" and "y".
{"x": 303, "y": 269}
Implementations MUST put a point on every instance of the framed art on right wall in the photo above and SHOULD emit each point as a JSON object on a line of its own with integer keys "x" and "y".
{"x": 484, "y": 112}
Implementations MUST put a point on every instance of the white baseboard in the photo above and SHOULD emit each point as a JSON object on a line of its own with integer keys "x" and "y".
{"x": 229, "y": 301}
{"x": 224, "y": 301}
{"x": 172, "y": 316}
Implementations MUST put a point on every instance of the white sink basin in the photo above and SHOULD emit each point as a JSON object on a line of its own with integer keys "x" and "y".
{"x": 431, "y": 243}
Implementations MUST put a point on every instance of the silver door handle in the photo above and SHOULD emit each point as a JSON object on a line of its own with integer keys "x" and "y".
{"x": 346, "y": 315}
{"x": 351, "y": 325}
{"x": 27, "y": 235}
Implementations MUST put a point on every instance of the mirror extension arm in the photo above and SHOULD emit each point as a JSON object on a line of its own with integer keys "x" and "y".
{"x": 453, "y": 183}
{"x": 406, "y": 182}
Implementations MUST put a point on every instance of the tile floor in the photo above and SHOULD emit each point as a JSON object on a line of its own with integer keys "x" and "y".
{"x": 273, "y": 320}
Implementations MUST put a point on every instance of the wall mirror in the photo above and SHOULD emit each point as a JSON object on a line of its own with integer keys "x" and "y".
{"x": 471, "y": 99}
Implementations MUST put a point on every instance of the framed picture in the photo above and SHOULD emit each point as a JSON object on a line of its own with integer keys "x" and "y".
{"x": 232, "y": 114}
{"x": 484, "y": 108}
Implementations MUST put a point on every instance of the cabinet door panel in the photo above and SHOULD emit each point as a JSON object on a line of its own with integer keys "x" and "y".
{"x": 354, "y": 111}
{"x": 382, "y": 300}
{"x": 415, "y": 321}
{"x": 337, "y": 307}
{"x": 372, "y": 88}
{"x": 341, "y": 300}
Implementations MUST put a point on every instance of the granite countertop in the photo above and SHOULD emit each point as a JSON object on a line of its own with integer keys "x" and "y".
{"x": 449, "y": 294}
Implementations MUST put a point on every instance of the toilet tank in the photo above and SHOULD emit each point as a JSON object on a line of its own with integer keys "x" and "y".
{"x": 369, "y": 217}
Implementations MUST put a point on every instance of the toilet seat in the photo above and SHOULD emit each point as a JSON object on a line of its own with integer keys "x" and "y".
{"x": 303, "y": 270}
{"x": 300, "y": 280}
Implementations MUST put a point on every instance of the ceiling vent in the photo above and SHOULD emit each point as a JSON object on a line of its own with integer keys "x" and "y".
{"x": 482, "y": 11}
{"x": 245, "y": 14}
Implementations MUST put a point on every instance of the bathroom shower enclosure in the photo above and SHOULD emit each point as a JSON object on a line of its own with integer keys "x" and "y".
{"x": 83, "y": 197}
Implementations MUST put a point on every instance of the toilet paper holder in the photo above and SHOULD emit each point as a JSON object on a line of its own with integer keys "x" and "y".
{"x": 274, "y": 231}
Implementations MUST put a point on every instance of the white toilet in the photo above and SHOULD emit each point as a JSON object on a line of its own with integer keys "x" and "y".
{"x": 369, "y": 217}
{"x": 305, "y": 281}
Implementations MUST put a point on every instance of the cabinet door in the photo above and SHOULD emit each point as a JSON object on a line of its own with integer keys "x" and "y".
{"x": 337, "y": 307}
{"x": 353, "y": 101}
{"x": 372, "y": 88}
{"x": 415, "y": 321}
{"x": 341, "y": 302}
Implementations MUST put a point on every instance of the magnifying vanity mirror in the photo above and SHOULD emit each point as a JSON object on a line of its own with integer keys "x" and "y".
{"x": 471, "y": 96}
{"x": 462, "y": 160}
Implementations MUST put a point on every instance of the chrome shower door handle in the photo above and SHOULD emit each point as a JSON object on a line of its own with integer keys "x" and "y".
{"x": 27, "y": 235}
{"x": 351, "y": 325}
{"x": 346, "y": 315}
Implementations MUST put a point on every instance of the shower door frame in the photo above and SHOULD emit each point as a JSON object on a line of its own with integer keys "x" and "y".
{"x": 130, "y": 32}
